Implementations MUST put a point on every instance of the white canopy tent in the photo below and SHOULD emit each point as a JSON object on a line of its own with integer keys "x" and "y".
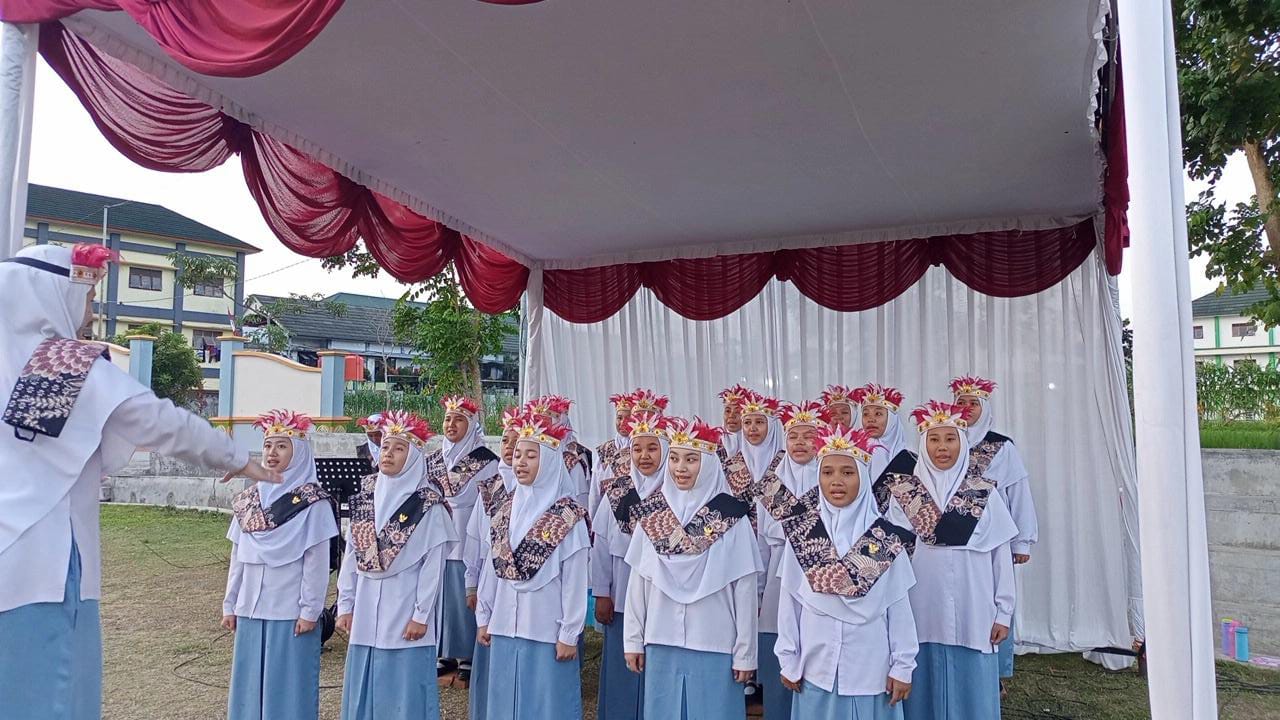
{"x": 572, "y": 134}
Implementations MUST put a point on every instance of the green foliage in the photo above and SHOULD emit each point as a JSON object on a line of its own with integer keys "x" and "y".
{"x": 1244, "y": 392}
{"x": 1229, "y": 86}
{"x": 1241, "y": 435}
{"x": 175, "y": 370}
{"x": 363, "y": 403}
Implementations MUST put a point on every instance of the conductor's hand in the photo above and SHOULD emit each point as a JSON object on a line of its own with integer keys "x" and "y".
{"x": 256, "y": 473}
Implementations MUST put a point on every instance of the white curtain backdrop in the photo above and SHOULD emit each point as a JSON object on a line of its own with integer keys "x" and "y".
{"x": 1056, "y": 356}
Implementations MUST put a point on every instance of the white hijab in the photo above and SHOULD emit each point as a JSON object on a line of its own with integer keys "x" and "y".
{"x": 759, "y": 456}
{"x": 454, "y": 452}
{"x": 979, "y": 430}
{"x": 797, "y": 478}
{"x": 996, "y": 525}
{"x": 39, "y": 304}
{"x": 290, "y": 541}
{"x": 375, "y": 450}
{"x": 392, "y": 490}
{"x": 689, "y": 578}
{"x": 645, "y": 485}
{"x": 894, "y": 438}
{"x": 529, "y": 502}
{"x": 845, "y": 525}
{"x": 432, "y": 530}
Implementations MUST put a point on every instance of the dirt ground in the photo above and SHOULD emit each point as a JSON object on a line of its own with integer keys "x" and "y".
{"x": 166, "y": 658}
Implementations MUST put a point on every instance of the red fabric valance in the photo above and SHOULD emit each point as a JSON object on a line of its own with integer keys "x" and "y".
{"x": 318, "y": 212}
{"x": 231, "y": 38}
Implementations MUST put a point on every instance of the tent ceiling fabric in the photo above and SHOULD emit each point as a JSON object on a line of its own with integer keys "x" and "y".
{"x": 572, "y": 134}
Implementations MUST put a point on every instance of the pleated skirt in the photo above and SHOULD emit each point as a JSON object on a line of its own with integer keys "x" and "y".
{"x": 390, "y": 684}
{"x": 777, "y": 699}
{"x": 274, "y": 674}
{"x": 621, "y": 694}
{"x": 477, "y": 690}
{"x": 954, "y": 683}
{"x": 457, "y": 621}
{"x": 814, "y": 703}
{"x": 683, "y": 684}
{"x": 51, "y": 656}
{"x": 526, "y": 682}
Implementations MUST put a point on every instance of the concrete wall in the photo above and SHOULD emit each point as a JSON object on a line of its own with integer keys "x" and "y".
{"x": 1242, "y": 501}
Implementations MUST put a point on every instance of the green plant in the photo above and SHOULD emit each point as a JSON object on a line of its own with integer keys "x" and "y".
{"x": 363, "y": 403}
{"x": 175, "y": 370}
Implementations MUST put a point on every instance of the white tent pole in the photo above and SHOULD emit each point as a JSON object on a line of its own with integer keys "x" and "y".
{"x": 532, "y": 374}
{"x": 1175, "y": 557}
{"x": 17, "y": 100}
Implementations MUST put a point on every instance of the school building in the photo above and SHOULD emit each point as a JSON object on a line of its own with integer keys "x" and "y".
{"x": 1226, "y": 335}
{"x": 140, "y": 289}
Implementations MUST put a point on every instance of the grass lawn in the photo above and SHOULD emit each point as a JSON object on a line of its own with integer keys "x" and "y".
{"x": 165, "y": 656}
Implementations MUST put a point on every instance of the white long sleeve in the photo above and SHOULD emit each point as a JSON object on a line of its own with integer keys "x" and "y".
{"x": 157, "y": 425}
{"x": 315, "y": 582}
{"x": 347, "y": 579}
{"x": 573, "y": 597}
{"x": 1023, "y": 509}
{"x": 486, "y": 592}
{"x": 635, "y": 613}
{"x": 429, "y": 581}
{"x": 473, "y": 545}
{"x": 903, "y": 643}
{"x": 746, "y": 606}
{"x": 235, "y": 576}
{"x": 1006, "y": 589}
{"x": 787, "y": 646}
{"x": 601, "y": 564}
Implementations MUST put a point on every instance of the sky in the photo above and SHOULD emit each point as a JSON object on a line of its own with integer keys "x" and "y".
{"x": 68, "y": 151}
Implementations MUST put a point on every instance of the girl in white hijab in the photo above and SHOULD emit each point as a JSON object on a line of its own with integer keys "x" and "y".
{"x": 468, "y": 462}
{"x": 533, "y": 590}
{"x": 691, "y": 606}
{"x": 798, "y": 472}
{"x": 70, "y": 418}
{"x": 878, "y": 411}
{"x": 1007, "y": 471}
{"x": 621, "y": 695}
{"x": 846, "y": 636}
{"x": 962, "y": 562}
{"x": 608, "y": 453}
{"x": 732, "y": 440}
{"x": 390, "y": 580}
{"x": 493, "y": 493}
{"x": 372, "y": 436}
{"x": 278, "y": 578}
{"x": 838, "y": 401}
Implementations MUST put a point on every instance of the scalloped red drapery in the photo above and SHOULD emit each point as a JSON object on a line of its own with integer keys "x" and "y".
{"x": 317, "y": 212}
{"x": 231, "y": 38}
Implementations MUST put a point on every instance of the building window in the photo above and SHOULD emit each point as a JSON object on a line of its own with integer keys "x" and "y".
{"x": 1197, "y": 332}
{"x": 1246, "y": 329}
{"x": 208, "y": 290}
{"x": 205, "y": 343}
{"x": 144, "y": 279}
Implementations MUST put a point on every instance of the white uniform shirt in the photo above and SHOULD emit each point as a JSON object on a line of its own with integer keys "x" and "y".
{"x": 555, "y": 612}
{"x": 475, "y": 546}
{"x": 383, "y": 604}
{"x": 1011, "y": 475}
{"x": 722, "y": 622}
{"x": 34, "y": 568}
{"x": 465, "y": 505}
{"x": 289, "y": 592}
{"x": 842, "y": 658}
{"x": 609, "y": 573}
{"x": 773, "y": 545}
{"x": 959, "y": 594}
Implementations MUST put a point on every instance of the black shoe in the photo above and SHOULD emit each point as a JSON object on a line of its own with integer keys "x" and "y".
{"x": 444, "y": 666}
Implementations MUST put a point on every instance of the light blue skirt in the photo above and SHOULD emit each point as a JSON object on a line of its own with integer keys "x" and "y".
{"x": 457, "y": 621}
{"x": 954, "y": 683}
{"x": 390, "y": 684}
{"x": 814, "y": 703}
{"x": 274, "y": 674}
{"x": 1006, "y": 656}
{"x": 777, "y": 699}
{"x": 478, "y": 689}
{"x": 526, "y": 682}
{"x": 51, "y": 656}
{"x": 683, "y": 684}
{"x": 621, "y": 694}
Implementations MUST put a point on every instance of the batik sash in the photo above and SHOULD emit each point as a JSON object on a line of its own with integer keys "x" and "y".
{"x": 904, "y": 463}
{"x": 538, "y": 545}
{"x": 252, "y": 517}
{"x": 49, "y": 386}
{"x": 377, "y": 548}
{"x": 955, "y": 525}
{"x": 452, "y": 482}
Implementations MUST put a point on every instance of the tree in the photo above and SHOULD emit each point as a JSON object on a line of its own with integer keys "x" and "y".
{"x": 1229, "y": 80}
{"x": 175, "y": 370}
{"x": 208, "y": 271}
{"x": 447, "y": 334}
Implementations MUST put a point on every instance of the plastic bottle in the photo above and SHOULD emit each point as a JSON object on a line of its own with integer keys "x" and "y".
{"x": 1228, "y": 642}
{"x": 1242, "y": 643}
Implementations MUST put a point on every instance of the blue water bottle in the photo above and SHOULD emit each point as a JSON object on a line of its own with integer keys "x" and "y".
{"x": 1242, "y": 644}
